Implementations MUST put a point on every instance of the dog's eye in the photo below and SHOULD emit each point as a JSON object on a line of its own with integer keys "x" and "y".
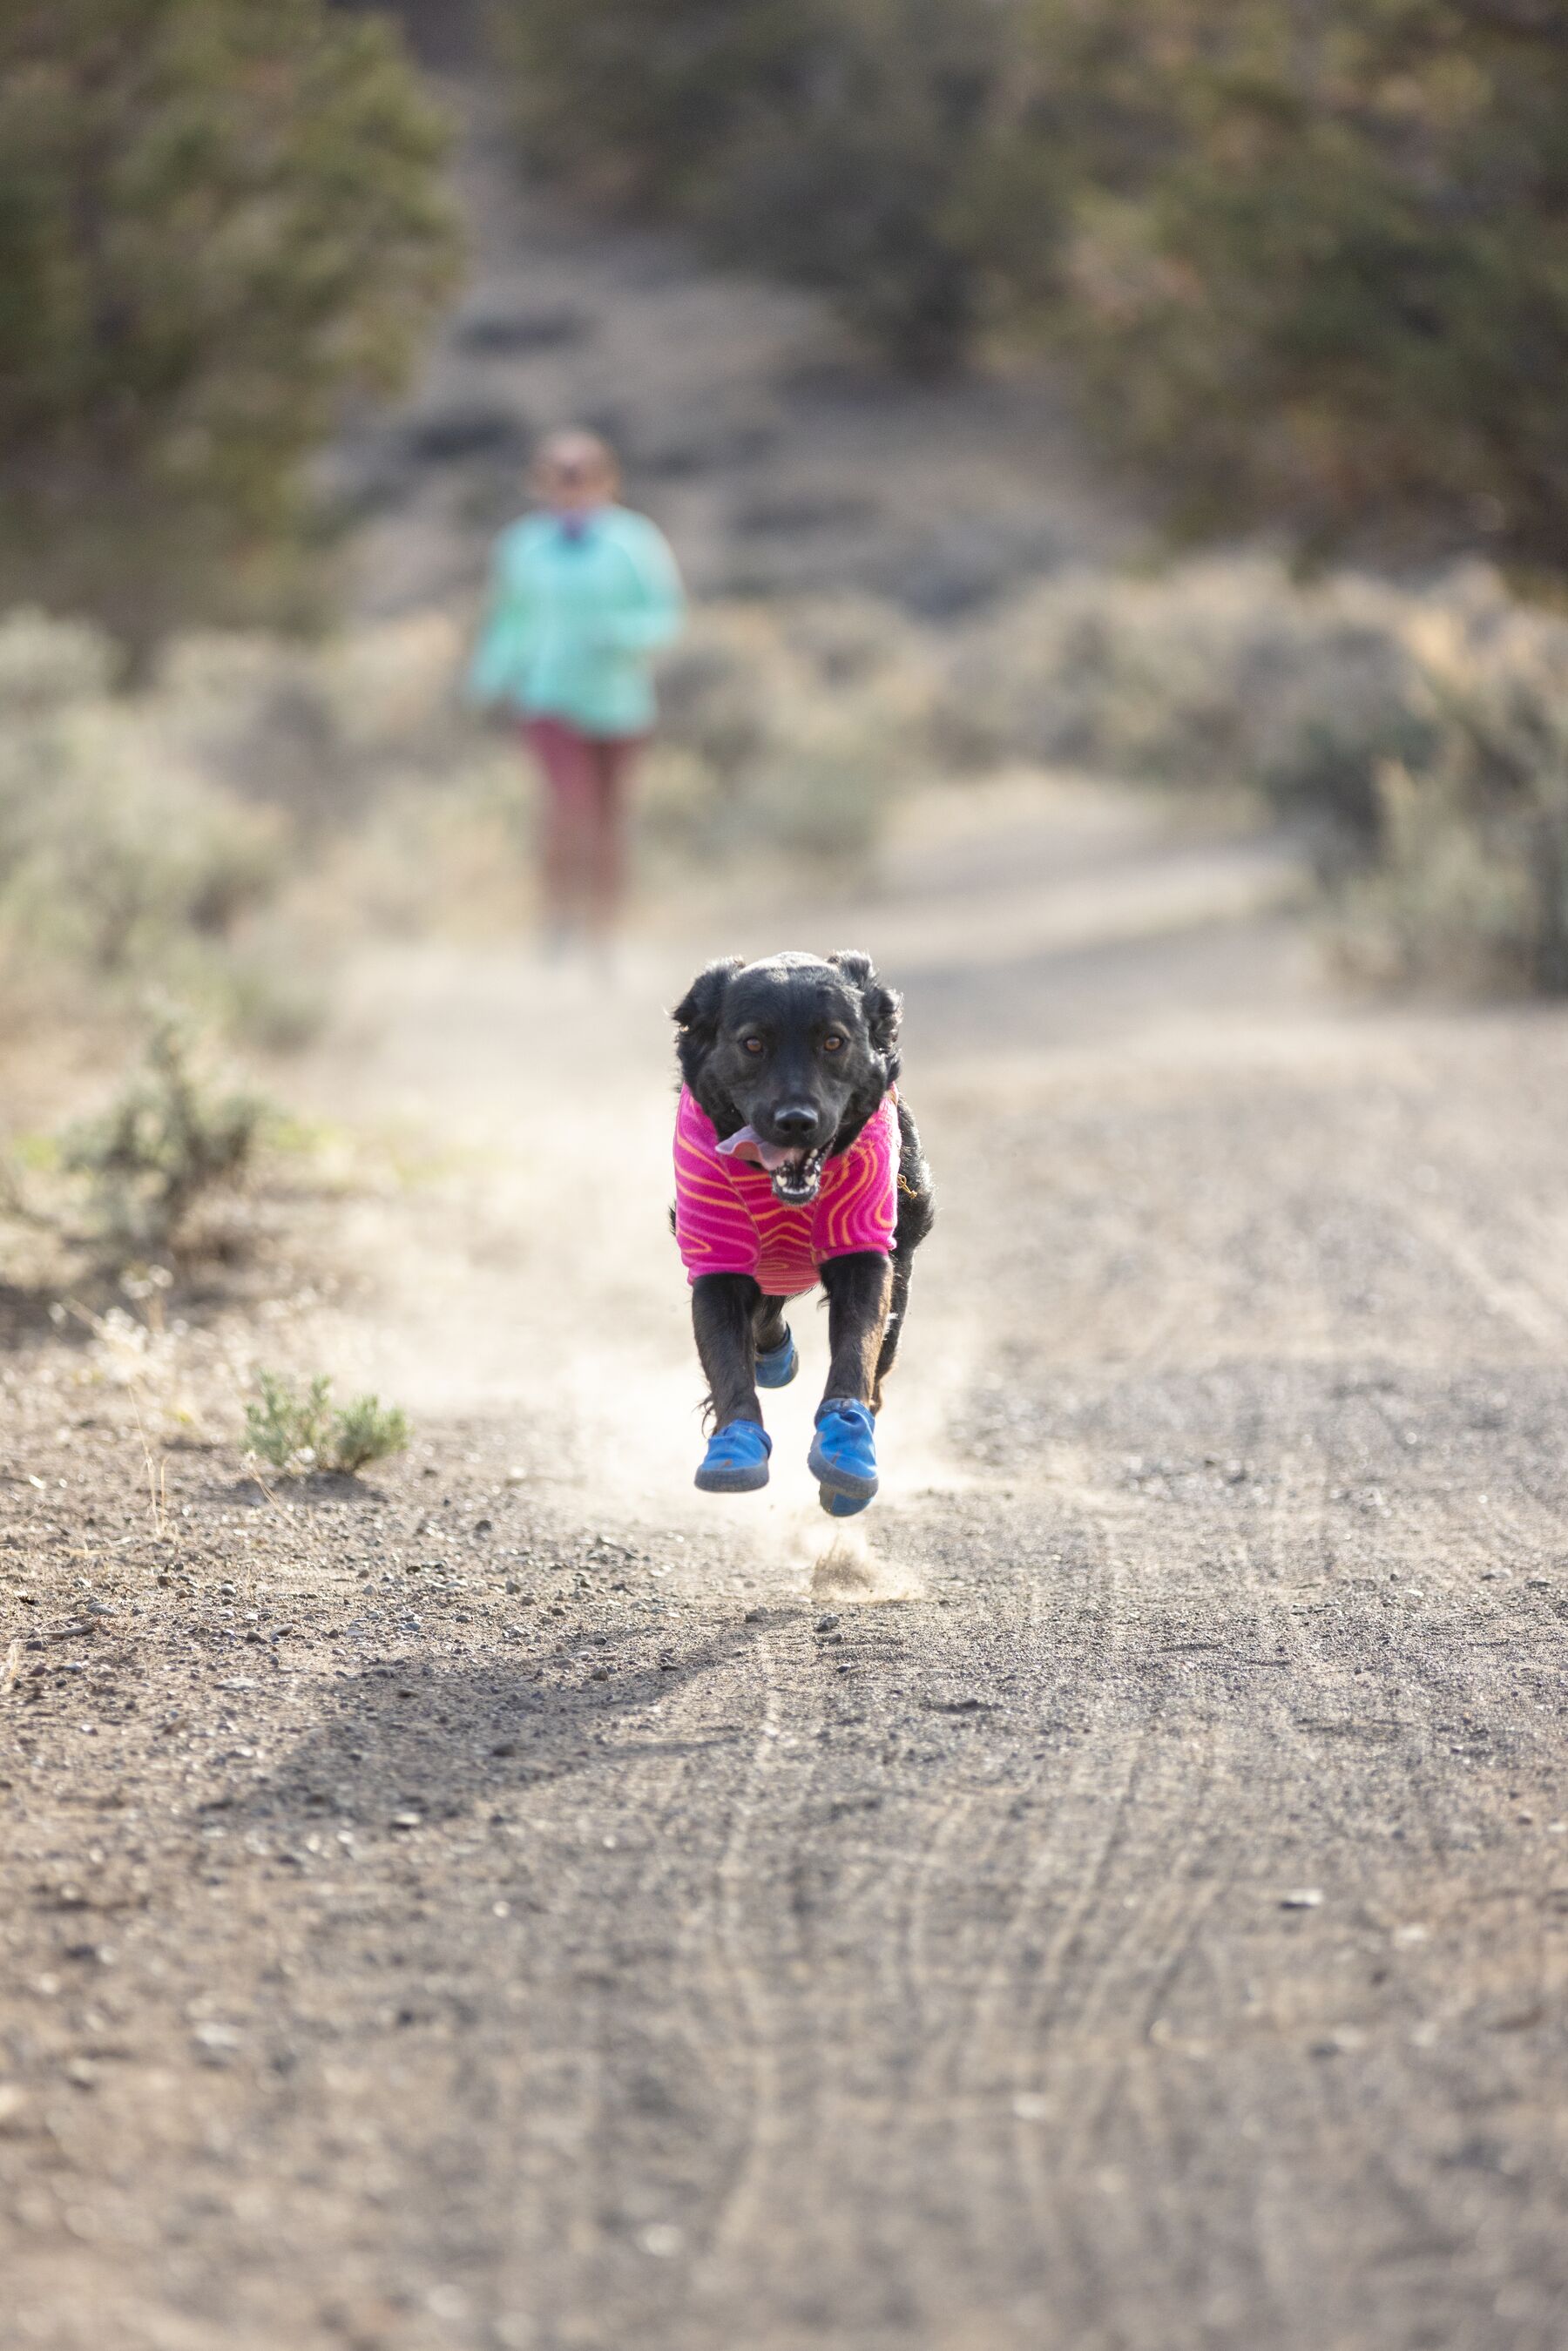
{"x": 832, "y": 1044}
{"x": 752, "y": 1044}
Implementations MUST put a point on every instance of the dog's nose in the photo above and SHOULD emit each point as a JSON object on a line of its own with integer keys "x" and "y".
{"x": 794, "y": 1122}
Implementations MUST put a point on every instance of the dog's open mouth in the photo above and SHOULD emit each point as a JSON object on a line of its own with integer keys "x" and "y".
{"x": 798, "y": 1179}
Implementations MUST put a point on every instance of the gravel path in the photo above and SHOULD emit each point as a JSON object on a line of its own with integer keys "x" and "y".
{"x": 1122, "y": 1904}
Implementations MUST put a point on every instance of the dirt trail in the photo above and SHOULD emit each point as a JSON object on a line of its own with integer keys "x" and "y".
{"x": 1122, "y": 1907}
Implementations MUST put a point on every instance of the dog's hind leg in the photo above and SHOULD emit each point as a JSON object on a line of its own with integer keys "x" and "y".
{"x": 768, "y": 1322}
{"x": 902, "y": 1267}
{"x": 777, "y": 1357}
{"x": 916, "y": 1214}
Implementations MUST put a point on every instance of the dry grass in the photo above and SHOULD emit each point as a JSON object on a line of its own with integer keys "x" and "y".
{"x": 217, "y": 832}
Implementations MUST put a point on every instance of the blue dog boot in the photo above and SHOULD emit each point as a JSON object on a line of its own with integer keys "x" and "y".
{"x": 735, "y": 1461}
{"x": 778, "y": 1366}
{"x": 842, "y": 1457}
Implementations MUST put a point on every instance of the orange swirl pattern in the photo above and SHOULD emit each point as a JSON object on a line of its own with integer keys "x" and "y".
{"x": 727, "y": 1220}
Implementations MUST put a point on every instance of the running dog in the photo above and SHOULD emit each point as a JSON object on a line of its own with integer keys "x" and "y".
{"x": 795, "y": 1162}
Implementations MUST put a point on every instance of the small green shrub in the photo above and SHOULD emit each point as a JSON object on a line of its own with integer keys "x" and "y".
{"x": 295, "y": 1430}
{"x": 364, "y": 1431}
{"x": 163, "y": 1148}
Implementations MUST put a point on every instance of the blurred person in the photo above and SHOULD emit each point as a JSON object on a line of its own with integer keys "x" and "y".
{"x": 583, "y": 593}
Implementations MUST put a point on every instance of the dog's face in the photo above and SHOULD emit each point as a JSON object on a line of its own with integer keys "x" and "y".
{"x": 798, "y": 1049}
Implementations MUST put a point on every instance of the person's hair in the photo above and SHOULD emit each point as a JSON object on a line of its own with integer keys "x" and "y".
{"x": 573, "y": 451}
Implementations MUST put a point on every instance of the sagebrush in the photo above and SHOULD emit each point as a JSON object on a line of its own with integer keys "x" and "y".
{"x": 1418, "y": 740}
{"x": 226, "y": 828}
{"x": 188, "y": 837}
{"x": 297, "y": 1428}
{"x": 170, "y": 1140}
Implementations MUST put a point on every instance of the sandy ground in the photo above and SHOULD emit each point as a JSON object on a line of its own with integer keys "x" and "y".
{"x": 1121, "y": 1903}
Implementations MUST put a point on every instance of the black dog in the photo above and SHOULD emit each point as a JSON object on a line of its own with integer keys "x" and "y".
{"x": 796, "y": 1161}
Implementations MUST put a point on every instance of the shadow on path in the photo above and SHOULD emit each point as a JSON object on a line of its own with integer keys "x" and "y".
{"x": 419, "y": 1736}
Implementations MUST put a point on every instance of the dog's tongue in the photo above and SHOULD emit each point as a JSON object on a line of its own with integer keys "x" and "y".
{"x": 746, "y": 1143}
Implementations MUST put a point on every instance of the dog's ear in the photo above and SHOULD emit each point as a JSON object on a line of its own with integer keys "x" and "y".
{"x": 697, "y": 1015}
{"x": 884, "y": 1006}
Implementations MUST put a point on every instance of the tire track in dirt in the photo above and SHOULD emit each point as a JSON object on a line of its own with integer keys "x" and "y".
{"x": 746, "y": 1971}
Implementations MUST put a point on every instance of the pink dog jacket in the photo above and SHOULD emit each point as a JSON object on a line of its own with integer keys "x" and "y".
{"x": 727, "y": 1220}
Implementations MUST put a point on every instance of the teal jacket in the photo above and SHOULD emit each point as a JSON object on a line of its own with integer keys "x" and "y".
{"x": 573, "y": 623}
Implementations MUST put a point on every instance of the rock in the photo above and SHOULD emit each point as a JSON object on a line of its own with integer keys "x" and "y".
{"x": 216, "y": 2040}
{"x": 466, "y": 429}
{"x": 510, "y": 332}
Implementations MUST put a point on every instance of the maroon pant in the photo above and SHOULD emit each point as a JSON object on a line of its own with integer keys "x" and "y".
{"x": 584, "y": 843}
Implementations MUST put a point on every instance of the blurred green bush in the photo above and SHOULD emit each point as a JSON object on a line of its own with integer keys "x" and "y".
{"x": 865, "y": 147}
{"x": 119, "y": 860}
{"x": 1223, "y": 671}
{"x": 164, "y": 1146}
{"x": 1308, "y": 260}
{"x": 1335, "y": 283}
{"x": 1418, "y": 741}
{"x": 208, "y": 836}
{"x": 216, "y": 220}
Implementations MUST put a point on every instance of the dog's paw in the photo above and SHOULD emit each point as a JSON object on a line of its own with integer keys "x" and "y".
{"x": 735, "y": 1461}
{"x": 778, "y": 1366}
{"x": 842, "y": 1457}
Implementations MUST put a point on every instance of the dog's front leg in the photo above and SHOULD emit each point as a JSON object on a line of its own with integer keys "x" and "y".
{"x": 723, "y": 1308}
{"x": 860, "y": 1290}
